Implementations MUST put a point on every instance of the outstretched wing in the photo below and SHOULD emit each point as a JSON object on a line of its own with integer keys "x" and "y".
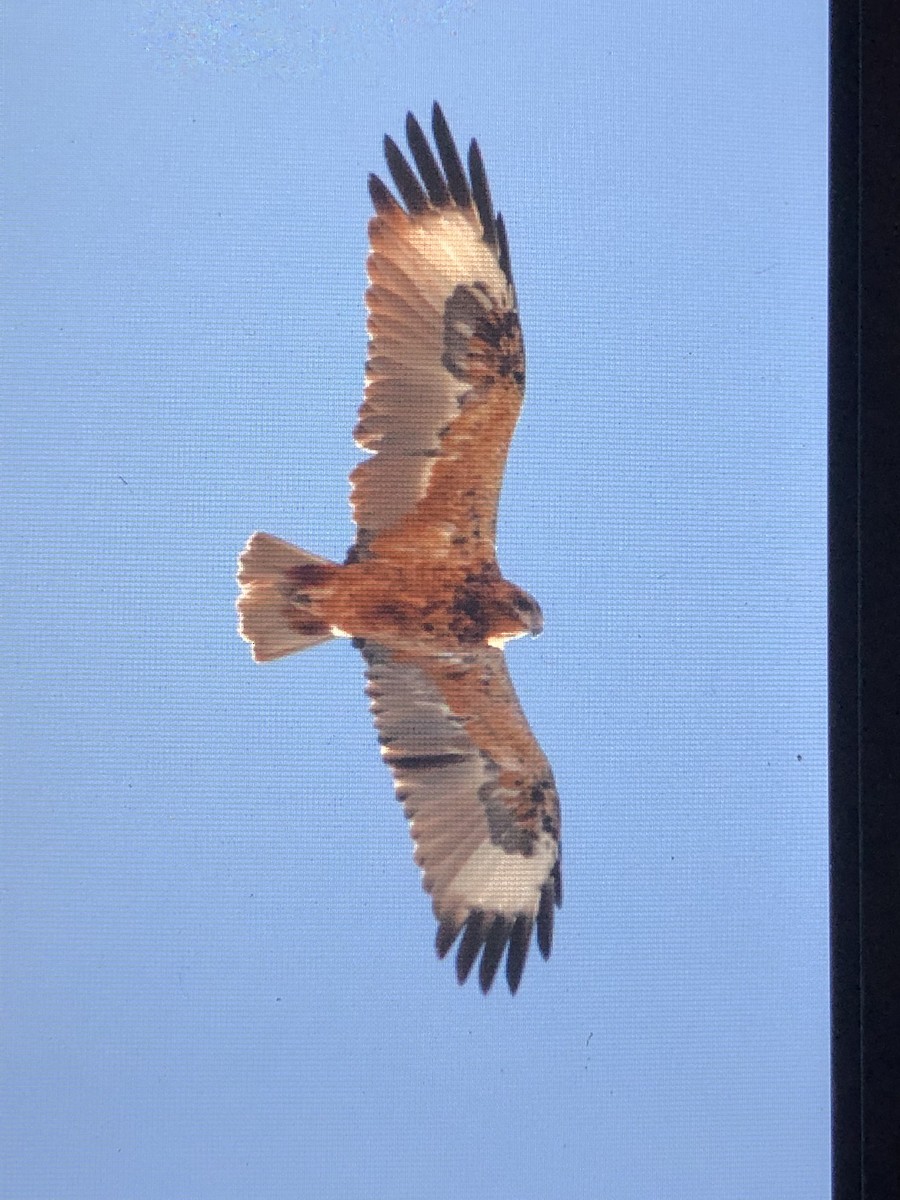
{"x": 480, "y": 798}
{"x": 445, "y": 373}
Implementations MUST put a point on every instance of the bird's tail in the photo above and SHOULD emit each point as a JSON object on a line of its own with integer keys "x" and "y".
{"x": 284, "y": 597}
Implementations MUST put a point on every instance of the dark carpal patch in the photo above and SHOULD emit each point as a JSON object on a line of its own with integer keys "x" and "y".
{"x": 463, "y": 311}
{"x": 506, "y": 832}
{"x": 475, "y": 329}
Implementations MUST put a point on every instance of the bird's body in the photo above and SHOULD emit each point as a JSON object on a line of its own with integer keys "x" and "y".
{"x": 388, "y": 599}
{"x": 420, "y": 592}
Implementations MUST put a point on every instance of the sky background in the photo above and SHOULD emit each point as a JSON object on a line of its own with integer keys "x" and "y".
{"x": 218, "y": 973}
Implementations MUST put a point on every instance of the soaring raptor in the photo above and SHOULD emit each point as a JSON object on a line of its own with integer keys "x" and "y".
{"x": 420, "y": 592}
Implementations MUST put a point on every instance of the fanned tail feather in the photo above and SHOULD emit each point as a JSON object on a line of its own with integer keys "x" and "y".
{"x": 284, "y": 592}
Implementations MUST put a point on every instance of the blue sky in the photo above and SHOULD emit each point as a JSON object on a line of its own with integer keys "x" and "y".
{"x": 218, "y": 976}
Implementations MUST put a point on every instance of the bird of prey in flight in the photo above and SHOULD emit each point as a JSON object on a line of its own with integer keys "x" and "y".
{"x": 420, "y": 592}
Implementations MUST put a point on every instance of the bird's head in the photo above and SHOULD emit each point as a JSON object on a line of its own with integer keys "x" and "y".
{"x": 521, "y": 614}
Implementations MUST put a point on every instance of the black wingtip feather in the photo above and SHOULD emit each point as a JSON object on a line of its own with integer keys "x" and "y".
{"x": 503, "y": 246}
{"x": 404, "y": 177}
{"x": 435, "y": 183}
{"x": 496, "y": 935}
{"x": 381, "y": 195}
{"x": 448, "y": 932}
{"x": 450, "y": 160}
{"x": 519, "y": 942}
{"x": 472, "y": 941}
{"x": 545, "y": 920}
{"x": 482, "y": 194}
{"x": 494, "y": 945}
